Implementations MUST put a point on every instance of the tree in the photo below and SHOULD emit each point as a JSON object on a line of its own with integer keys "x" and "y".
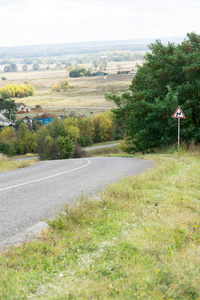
{"x": 17, "y": 90}
{"x": 10, "y": 108}
{"x": 170, "y": 76}
{"x": 25, "y": 68}
{"x": 11, "y": 68}
{"x": 8, "y": 140}
{"x": 7, "y": 69}
{"x": 36, "y": 66}
{"x": 78, "y": 72}
{"x": 27, "y": 140}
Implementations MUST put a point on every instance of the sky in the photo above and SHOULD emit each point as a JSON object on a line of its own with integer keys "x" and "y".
{"x": 34, "y": 22}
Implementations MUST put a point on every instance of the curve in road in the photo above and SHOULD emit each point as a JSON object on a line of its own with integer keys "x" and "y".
{"x": 31, "y": 195}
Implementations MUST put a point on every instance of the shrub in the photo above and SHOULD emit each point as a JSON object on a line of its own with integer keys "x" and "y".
{"x": 85, "y": 141}
{"x": 17, "y": 90}
{"x": 78, "y": 151}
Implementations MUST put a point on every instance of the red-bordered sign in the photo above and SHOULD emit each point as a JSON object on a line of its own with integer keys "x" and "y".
{"x": 178, "y": 114}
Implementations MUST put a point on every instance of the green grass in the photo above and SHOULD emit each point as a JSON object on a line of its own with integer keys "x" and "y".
{"x": 6, "y": 164}
{"x": 138, "y": 239}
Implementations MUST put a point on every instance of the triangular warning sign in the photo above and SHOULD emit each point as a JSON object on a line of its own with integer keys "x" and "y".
{"x": 178, "y": 114}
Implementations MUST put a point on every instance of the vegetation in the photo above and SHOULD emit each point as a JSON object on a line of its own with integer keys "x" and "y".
{"x": 169, "y": 77}
{"x": 79, "y": 72}
{"x": 138, "y": 239}
{"x": 61, "y": 86}
{"x": 16, "y": 90}
{"x": 56, "y": 140}
{"x": 6, "y": 164}
{"x": 29, "y": 54}
{"x": 12, "y": 67}
{"x": 9, "y": 106}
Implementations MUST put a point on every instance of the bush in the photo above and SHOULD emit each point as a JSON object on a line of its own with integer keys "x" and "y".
{"x": 5, "y": 148}
{"x": 78, "y": 151}
{"x": 80, "y": 72}
{"x": 85, "y": 141}
{"x": 17, "y": 90}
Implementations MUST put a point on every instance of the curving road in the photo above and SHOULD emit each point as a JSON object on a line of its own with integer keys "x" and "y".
{"x": 29, "y": 196}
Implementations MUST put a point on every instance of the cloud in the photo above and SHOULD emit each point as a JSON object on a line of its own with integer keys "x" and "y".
{"x": 61, "y": 21}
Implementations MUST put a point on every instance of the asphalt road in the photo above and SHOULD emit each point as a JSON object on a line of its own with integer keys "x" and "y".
{"x": 31, "y": 195}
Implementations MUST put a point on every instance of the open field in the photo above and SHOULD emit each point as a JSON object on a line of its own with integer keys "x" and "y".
{"x": 138, "y": 239}
{"x": 86, "y": 95}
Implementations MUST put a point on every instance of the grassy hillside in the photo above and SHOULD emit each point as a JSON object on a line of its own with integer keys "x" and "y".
{"x": 138, "y": 239}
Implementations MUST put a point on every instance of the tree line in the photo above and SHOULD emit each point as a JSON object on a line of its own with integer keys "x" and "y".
{"x": 58, "y": 139}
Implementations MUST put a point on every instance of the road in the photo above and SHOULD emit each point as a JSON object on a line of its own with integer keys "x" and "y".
{"x": 100, "y": 147}
{"x": 31, "y": 195}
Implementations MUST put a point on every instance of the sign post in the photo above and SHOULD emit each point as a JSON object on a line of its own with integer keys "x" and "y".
{"x": 178, "y": 115}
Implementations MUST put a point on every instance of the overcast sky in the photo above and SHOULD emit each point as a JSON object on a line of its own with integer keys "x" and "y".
{"x": 33, "y": 22}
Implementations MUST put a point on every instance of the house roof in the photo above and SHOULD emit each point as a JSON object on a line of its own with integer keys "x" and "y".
{"x": 19, "y": 104}
{"x": 46, "y": 116}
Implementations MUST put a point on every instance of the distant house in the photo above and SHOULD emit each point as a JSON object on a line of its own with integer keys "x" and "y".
{"x": 46, "y": 118}
{"x": 22, "y": 108}
{"x": 29, "y": 119}
{"x": 5, "y": 122}
{"x": 99, "y": 73}
{"x": 133, "y": 72}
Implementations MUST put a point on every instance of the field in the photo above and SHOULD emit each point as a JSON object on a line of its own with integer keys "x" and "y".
{"x": 86, "y": 95}
{"x": 138, "y": 239}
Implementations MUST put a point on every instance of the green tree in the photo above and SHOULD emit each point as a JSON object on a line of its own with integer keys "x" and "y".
{"x": 86, "y": 127}
{"x": 27, "y": 140}
{"x": 10, "y": 107}
{"x": 65, "y": 147}
{"x": 170, "y": 76}
{"x": 57, "y": 128}
{"x": 8, "y": 140}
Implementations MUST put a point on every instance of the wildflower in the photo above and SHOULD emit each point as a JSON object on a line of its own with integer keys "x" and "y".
{"x": 151, "y": 293}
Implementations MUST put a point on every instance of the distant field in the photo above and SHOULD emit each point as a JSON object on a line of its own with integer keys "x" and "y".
{"x": 86, "y": 95}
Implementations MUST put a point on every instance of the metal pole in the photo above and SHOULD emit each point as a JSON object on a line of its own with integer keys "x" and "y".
{"x": 178, "y": 132}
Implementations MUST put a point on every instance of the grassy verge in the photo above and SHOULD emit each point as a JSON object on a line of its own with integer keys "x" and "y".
{"x": 105, "y": 143}
{"x": 6, "y": 164}
{"x": 139, "y": 239}
{"x": 105, "y": 151}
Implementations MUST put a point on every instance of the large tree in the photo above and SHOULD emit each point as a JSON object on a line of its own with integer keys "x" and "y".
{"x": 170, "y": 76}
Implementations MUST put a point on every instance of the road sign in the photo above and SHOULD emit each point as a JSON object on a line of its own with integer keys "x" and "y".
{"x": 178, "y": 114}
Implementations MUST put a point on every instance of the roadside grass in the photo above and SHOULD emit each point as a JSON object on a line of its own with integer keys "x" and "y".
{"x": 115, "y": 151}
{"x": 138, "y": 239}
{"x": 6, "y": 164}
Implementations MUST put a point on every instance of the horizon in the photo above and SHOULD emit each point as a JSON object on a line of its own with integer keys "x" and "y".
{"x": 142, "y": 40}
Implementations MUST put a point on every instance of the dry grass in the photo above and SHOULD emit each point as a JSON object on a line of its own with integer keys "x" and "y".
{"x": 6, "y": 164}
{"x": 87, "y": 92}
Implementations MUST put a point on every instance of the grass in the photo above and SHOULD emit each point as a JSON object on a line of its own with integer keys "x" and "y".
{"x": 138, "y": 239}
{"x": 86, "y": 96}
{"x": 105, "y": 152}
{"x": 6, "y": 164}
